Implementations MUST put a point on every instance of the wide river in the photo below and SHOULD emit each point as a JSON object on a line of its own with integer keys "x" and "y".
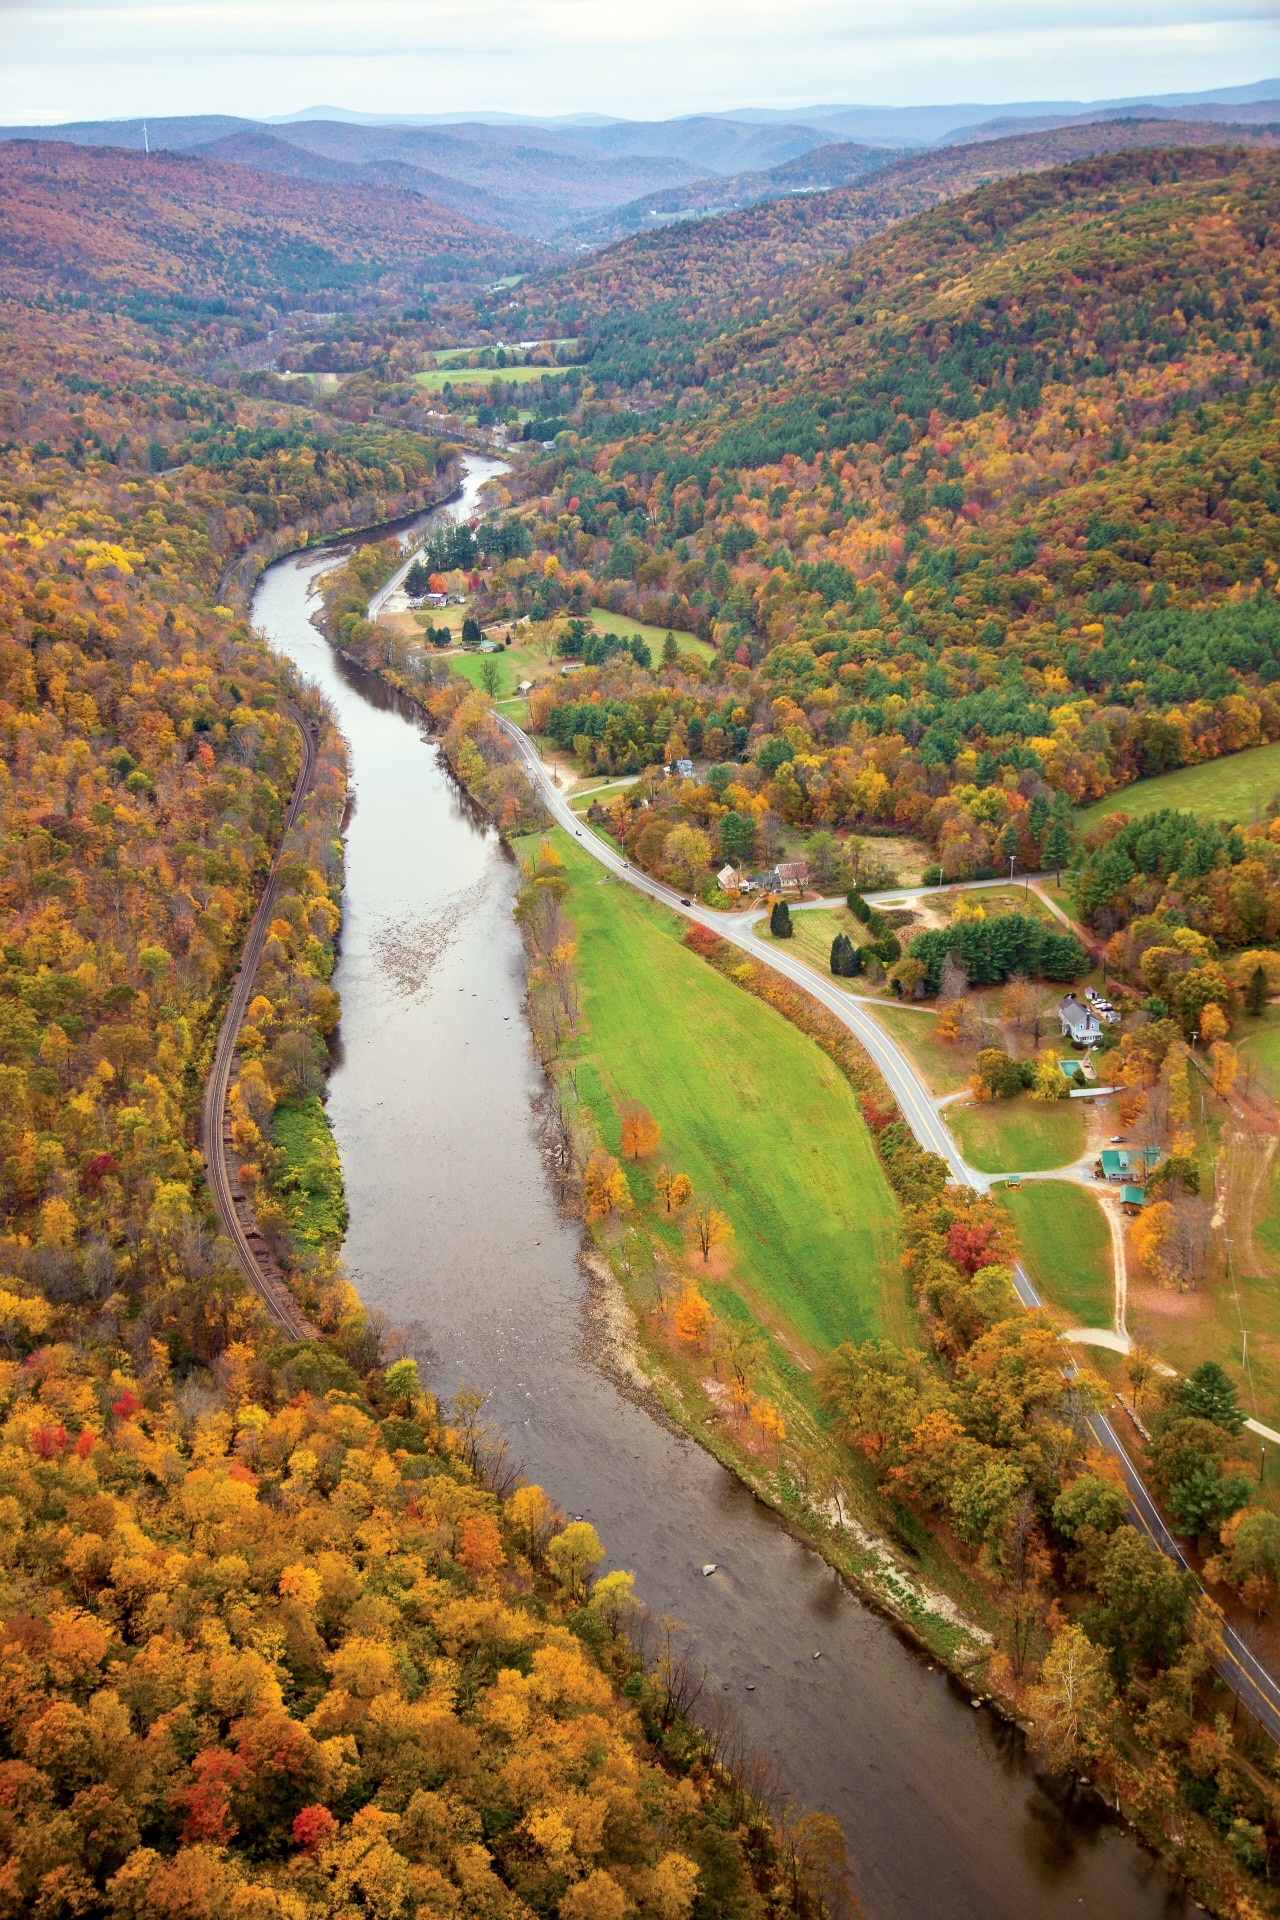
{"x": 453, "y": 1226}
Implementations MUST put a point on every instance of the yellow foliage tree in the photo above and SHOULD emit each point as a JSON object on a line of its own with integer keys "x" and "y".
{"x": 708, "y": 1227}
{"x": 693, "y": 1317}
{"x": 604, "y": 1187}
{"x": 676, "y": 1189}
{"x": 640, "y": 1131}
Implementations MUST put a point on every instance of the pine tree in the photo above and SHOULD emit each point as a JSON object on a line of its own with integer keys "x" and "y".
{"x": 1257, "y": 993}
{"x": 669, "y": 650}
{"x": 1057, "y": 846}
{"x": 780, "y": 920}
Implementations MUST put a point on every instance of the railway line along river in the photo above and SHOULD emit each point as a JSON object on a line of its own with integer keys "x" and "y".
{"x": 453, "y": 1225}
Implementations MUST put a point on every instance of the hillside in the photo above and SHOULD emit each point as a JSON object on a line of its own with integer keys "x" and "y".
{"x": 112, "y": 223}
{"x": 991, "y": 503}
{"x": 833, "y": 165}
{"x": 701, "y": 268}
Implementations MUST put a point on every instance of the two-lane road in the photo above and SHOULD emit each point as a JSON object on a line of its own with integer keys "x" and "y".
{"x": 1236, "y": 1664}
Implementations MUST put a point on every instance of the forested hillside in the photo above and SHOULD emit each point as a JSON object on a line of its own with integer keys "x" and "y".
{"x": 275, "y": 1639}
{"x": 98, "y": 220}
{"x": 648, "y": 302}
{"x": 984, "y": 514}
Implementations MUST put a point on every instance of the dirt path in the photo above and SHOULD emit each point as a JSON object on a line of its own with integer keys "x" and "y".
{"x": 1246, "y": 1168}
{"x": 1119, "y": 1263}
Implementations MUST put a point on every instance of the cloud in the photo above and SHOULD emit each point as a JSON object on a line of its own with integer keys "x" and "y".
{"x": 103, "y": 58}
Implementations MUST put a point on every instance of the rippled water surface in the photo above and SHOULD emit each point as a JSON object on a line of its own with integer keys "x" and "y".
{"x": 452, "y": 1225}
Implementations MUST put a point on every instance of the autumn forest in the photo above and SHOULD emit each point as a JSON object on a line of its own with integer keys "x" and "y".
{"x": 922, "y": 518}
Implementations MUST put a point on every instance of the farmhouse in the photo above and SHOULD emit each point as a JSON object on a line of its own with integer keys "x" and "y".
{"x": 793, "y": 873}
{"x": 1079, "y": 1023}
{"x": 1122, "y": 1165}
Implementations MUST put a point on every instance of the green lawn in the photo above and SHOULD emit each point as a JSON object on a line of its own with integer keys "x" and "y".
{"x": 622, "y": 623}
{"x": 944, "y": 1069}
{"x": 1066, "y": 1247}
{"x": 812, "y": 932}
{"x": 753, "y": 1111}
{"x": 472, "y": 380}
{"x": 514, "y": 664}
{"x": 1224, "y": 789}
{"x": 1019, "y": 1136}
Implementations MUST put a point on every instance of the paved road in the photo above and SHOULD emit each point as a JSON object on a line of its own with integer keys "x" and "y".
{"x": 1242, "y": 1672}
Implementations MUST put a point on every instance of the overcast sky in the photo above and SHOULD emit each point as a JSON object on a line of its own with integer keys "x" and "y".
{"x": 99, "y": 59}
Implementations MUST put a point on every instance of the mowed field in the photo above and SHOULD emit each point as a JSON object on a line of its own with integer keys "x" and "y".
{"x": 477, "y": 379}
{"x": 606, "y": 622}
{"x": 1226, "y": 789}
{"x": 752, "y": 1110}
{"x": 1021, "y": 1135}
{"x": 1066, "y": 1247}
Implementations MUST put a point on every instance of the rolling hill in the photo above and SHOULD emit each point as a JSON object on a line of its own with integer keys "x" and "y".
{"x": 700, "y": 268}
{"x": 108, "y": 222}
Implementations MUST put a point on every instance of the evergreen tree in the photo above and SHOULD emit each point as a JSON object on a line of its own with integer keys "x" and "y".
{"x": 669, "y": 650}
{"x": 780, "y": 920}
{"x": 471, "y": 635}
{"x": 1038, "y": 817}
{"x": 1207, "y": 1394}
{"x": 1257, "y": 993}
{"x": 1057, "y": 846}
{"x": 858, "y": 906}
{"x": 846, "y": 961}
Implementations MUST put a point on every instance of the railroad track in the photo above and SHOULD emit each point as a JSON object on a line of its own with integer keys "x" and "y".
{"x": 236, "y": 1215}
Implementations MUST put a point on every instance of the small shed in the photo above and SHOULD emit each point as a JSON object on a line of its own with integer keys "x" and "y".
{"x": 1132, "y": 1199}
{"x": 526, "y": 686}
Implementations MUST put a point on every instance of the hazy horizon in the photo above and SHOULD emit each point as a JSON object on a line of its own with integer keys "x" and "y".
{"x": 120, "y": 59}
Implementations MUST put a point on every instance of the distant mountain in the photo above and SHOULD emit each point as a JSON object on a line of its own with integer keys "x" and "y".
{"x": 173, "y": 226}
{"x": 584, "y": 180}
{"x": 834, "y": 165}
{"x": 1244, "y": 113}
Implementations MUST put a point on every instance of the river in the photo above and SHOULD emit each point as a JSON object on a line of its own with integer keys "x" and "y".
{"x": 453, "y": 1226}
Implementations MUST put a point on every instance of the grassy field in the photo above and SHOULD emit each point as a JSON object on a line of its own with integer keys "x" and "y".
{"x": 751, "y": 1110}
{"x": 1066, "y": 1247}
{"x": 471, "y": 380}
{"x": 1226, "y": 789}
{"x": 1019, "y": 1136}
{"x": 514, "y": 664}
{"x": 811, "y": 937}
{"x": 996, "y": 900}
{"x": 943, "y": 1069}
{"x": 622, "y": 623}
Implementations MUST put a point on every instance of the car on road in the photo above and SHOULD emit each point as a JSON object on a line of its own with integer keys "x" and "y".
{"x": 685, "y": 903}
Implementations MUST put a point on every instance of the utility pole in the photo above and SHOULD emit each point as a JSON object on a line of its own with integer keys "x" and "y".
{"x": 146, "y": 139}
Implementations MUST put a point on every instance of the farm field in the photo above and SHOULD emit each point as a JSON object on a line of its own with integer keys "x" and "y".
{"x": 1225, "y": 789}
{"x": 1020, "y": 1135}
{"x": 753, "y": 1111}
{"x": 514, "y": 664}
{"x": 607, "y": 622}
{"x": 458, "y": 357}
{"x": 1066, "y": 1247}
{"x": 476, "y": 379}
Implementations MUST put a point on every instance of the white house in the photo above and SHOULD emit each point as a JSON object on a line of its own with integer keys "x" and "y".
{"x": 1079, "y": 1023}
